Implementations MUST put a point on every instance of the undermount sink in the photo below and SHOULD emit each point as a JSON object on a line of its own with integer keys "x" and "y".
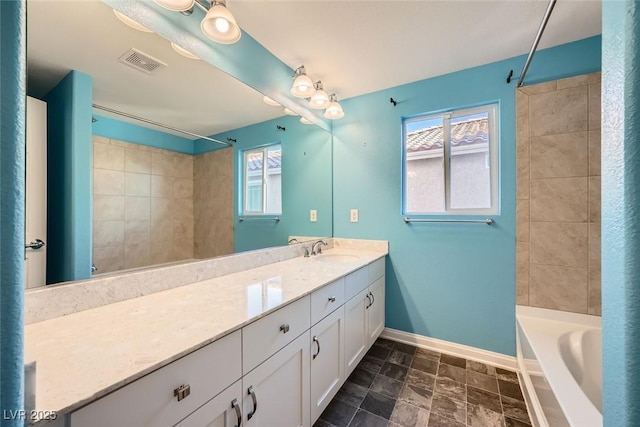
{"x": 335, "y": 258}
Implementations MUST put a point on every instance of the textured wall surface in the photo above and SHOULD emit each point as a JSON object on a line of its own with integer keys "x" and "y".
{"x": 558, "y": 192}
{"x": 12, "y": 152}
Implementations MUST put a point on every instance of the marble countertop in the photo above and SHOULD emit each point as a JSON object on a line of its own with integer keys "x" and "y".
{"x": 85, "y": 355}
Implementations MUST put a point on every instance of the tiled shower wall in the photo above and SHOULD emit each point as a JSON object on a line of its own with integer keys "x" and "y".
{"x": 142, "y": 205}
{"x": 558, "y": 195}
{"x": 213, "y": 203}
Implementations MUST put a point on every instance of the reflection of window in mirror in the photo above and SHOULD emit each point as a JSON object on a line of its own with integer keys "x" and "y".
{"x": 262, "y": 189}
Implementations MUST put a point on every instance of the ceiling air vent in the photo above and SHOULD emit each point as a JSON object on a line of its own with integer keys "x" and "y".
{"x": 141, "y": 61}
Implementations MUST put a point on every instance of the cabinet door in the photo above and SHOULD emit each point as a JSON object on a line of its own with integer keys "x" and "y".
{"x": 327, "y": 361}
{"x": 224, "y": 410}
{"x": 276, "y": 393}
{"x": 355, "y": 330}
{"x": 376, "y": 310}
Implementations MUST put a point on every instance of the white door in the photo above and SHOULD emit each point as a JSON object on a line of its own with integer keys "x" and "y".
{"x": 376, "y": 310}
{"x": 36, "y": 193}
{"x": 276, "y": 393}
{"x": 224, "y": 410}
{"x": 327, "y": 361}
{"x": 355, "y": 327}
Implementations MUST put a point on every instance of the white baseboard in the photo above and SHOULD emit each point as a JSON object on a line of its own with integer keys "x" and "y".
{"x": 471, "y": 353}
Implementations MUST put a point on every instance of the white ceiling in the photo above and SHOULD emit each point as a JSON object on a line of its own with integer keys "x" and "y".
{"x": 354, "y": 47}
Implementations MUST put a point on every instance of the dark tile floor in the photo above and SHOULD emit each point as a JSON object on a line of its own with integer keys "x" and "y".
{"x": 398, "y": 385}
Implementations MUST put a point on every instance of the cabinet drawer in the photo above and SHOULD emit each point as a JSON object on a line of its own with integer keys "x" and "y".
{"x": 150, "y": 401}
{"x": 266, "y": 336}
{"x": 326, "y": 299}
{"x": 356, "y": 282}
{"x": 376, "y": 270}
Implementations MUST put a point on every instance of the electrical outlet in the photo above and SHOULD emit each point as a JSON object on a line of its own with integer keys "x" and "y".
{"x": 354, "y": 215}
{"x": 313, "y": 215}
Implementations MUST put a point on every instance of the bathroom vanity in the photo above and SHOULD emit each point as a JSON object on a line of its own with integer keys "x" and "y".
{"x": 267, "y": 346}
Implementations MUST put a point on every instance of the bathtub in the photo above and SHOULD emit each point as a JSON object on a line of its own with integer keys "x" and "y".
{"x": 560, "y": 361}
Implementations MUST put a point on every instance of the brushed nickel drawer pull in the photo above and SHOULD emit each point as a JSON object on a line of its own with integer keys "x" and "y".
{"x": 183, "y": 391}
{"x": 369, "y": 299}
{"x": 284, "y": 328}
{"x": 332, "y": 299}
{"x": 252, "y": 393}
{"x": 315, "y": 340}
{"x": 235, "y": 405}
{"x": 373, "y": 299}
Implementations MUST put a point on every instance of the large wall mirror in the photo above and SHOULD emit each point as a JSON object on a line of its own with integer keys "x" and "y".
{"x": 123, "y": 193}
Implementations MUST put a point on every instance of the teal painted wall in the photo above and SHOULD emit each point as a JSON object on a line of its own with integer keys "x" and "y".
{"x": 123, "y": 131}
{"x": 12, "y": 187}
{"x": 306, "y": 181}
{"x": 620, "y": 214}
{"x": 454, "y": 282}
{"x": 69, "y": 179}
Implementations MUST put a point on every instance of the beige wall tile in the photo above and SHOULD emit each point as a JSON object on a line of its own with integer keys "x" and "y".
{"x": 108, "y": 233}
{"x": 182, "y": 249}
{"x": 522, "y": 136}
{"x": 162, "y": 164}
{"x": 183, "y": 166}
{"x": 539, "y": 88}
{"x": 560, "y": 243}
{"x": 137, "y": 232}
{"x": 183, "y": 188}
{"x": 182, "y": 208}
{"x": 162, "y": 231}
{"x": 562, "y": 155}
{"x": 594, "y": 153}
{"x": 594, "y": 199}
{"x": 99, "y": 139}
{"x": 137, "y": 184}
{"x": 161, "y": 208}
{"x": 522, "y": 188}
{"x": 559, "y": 199}
{"x": 522, "y": 104}
{"x": 162, "y": 186}
{"x": 522, "y": 273}
{"x": 137, "y": 255}
{"x": 108, "y": 183}
{"x": 137, "y": 161}
{"x": 594, "y": 106}
{"x": 119, "y": 143}
{"x": 137, "y": 208}
{"x": 108, "y": 207}
{"x": 595, "y": 246}
{"x": 522, "y": 217}
{"x": 581, "y": 80}
{"x": 562, "y": 111}
{"x": 108, "y": 258}
{"x": 595, "y": 293}
{"x": 559, "y": 288}
{"x": 108, "y": 157}
{"x": 161, "y": 254}
{"x": 183, "y": 229}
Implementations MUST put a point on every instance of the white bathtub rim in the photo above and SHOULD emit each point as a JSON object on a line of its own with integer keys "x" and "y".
{"x": 537, "y": 323}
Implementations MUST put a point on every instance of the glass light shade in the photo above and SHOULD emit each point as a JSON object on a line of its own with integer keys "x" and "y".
{"x": 184, "y": 52}
{"x": 220, "y": 26}
{"x": 334, "y": 111}
{"x": 319, "y": 100}
{"x": 270, "y": 101}
{"x": 176, "y": 5}
{"x": 290, "y": 112}
{"x": 302, "y": 87}
{"x": 305, "y": 121}
{"x": 130, "y": 22}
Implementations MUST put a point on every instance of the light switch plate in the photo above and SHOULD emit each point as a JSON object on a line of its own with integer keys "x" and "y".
{"x": 354, "y": 215}
{"x": 313, "y": 215}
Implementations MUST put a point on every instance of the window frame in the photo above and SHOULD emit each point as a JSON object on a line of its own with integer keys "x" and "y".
{"x": 492, "y": 110}
{"x": 245, "y": 180}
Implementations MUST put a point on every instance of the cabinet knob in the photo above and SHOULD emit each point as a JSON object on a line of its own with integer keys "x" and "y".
{"x": 332, "y": 299}
{"x": 284, "y": 328}
{"x": 183, "y": 391}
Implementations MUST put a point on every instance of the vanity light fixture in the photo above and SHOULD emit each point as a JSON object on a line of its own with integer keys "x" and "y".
{"x": 334, "y": 110}
{"x": 302, "y": 84}
{"x": 270, "y": 101}
{"x": 219, "y": 24}
{"x": 130, "y": 22}
{"x": 176, "y": 5}
{"x": 290, "y": 112}
{"x": 320, "y": 99}
{"x": 184, "y": 52}
{"x": 305, "y": 121}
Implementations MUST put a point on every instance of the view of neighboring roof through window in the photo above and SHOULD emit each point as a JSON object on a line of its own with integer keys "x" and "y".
{"x": 262, "y": 189}
{"x": 467, "y": 182}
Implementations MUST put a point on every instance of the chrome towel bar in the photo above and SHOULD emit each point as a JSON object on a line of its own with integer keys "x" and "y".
{"x": 258, "y": 218}
{"x": 488, "y": 221}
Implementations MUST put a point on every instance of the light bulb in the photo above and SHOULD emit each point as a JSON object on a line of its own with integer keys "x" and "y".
{"x": 219, "y": 24}
{"x": 222, "y": 25}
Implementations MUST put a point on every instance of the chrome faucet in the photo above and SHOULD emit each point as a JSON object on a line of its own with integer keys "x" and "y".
{"x": 316, "y": 248}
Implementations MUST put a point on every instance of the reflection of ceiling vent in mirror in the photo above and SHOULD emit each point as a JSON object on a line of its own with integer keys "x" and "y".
{"x": 141, "y": 61}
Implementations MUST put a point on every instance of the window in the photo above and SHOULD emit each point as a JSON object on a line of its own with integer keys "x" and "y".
{"x": 262, "y": 181}
{"x": 467, "y": 182}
